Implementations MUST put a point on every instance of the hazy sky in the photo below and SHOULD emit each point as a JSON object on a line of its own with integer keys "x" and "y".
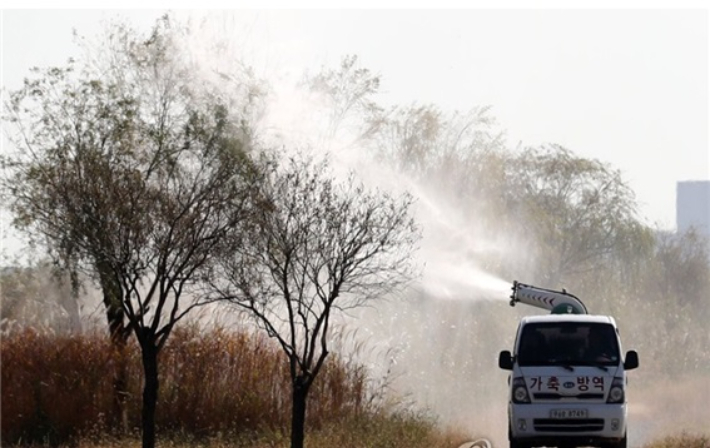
{"x": 626, "y": 86}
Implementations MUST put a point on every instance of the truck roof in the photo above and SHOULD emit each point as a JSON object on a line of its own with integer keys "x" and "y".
{"x": 568, "y": 318}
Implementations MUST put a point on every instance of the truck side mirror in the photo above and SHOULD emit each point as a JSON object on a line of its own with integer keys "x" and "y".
{"x": 505, "y": 360}
{"x": 632, "y": 360}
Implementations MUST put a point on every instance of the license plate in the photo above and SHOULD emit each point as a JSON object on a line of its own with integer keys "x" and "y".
{"x": 568, "y": 413}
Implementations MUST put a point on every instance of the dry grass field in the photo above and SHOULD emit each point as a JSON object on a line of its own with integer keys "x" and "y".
{"x": 218, "y": 388}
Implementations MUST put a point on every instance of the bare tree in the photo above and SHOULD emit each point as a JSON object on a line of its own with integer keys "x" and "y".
{"x": 131, "y": 172}
{"x": 319, "y": 248}
{"x": 184, "y": 217}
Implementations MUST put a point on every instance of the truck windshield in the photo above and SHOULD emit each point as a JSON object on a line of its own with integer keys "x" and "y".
{"x": 568, "y": 343}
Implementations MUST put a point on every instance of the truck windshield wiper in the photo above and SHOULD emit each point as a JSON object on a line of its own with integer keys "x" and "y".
{"x": 593, "y": 364}
{"x": 600, "y": 366}
{"x": 565, "y": 364}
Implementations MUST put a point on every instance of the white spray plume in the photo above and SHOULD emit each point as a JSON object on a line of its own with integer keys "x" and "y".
{"x": 297, "y": 120}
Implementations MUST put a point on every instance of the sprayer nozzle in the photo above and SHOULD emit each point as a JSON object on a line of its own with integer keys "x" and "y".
{"x": 512, "y": 295}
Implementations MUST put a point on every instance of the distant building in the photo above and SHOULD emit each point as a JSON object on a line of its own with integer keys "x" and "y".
{"x": 693, "y": 206}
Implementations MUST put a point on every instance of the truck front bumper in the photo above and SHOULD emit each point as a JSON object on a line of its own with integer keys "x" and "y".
{"x": 534, "y": 423}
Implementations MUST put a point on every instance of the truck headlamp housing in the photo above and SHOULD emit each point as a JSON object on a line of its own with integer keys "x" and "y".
{"x": 616, "y": 393}
{"x": 520, "y": 391}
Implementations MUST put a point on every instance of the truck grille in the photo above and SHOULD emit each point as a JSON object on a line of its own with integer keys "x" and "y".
{"x": 568, "y": 425}
{"x": 554, "y": 396}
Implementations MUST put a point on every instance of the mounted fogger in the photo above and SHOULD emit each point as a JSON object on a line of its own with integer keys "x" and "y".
{"x": 559, "y": 302}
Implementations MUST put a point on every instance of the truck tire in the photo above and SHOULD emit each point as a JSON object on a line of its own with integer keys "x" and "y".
{"x": 623, "y": 443}
{"x": 514, "y": 443}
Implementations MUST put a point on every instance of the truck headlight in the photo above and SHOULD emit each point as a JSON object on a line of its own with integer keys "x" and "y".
{"x": 616, "y": 393}
{"x": 520, "y": 391}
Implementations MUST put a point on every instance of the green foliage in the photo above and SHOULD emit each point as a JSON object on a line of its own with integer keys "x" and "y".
{"x": 131, "y": 171}
{"x": 109, "y": 153}
{"x": 39, "y": 296}
{"x": 576, "y": 211}
{"x": 441, "y": 150}
{"x": 348, "y": 92}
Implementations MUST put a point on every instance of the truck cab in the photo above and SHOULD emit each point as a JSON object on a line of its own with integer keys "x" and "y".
{"x": 567, "y": 386}
{"x": 567, "y": 382}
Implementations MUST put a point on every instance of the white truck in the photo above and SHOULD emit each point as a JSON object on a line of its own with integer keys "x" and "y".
{"x": 568, "y": 378}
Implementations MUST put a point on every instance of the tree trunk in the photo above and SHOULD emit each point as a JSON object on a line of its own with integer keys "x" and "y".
{"x": 114, "y": 316}
{"x": 70, "y": 305}
{"x": 117, "y": 330}
{"x": 119, "y": 336}
{"x": 150, "y": 390}
{"x": 298, "y": 412}
{"x": 120, "y": 385}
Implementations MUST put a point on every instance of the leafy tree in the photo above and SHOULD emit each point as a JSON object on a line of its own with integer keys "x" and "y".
{"x": 38, "y": 295}
{"x": 683, "y": 268}
{"x": 131, "y": 172}
{"x": 456, "y": 162}
{"x": 423, "y": 141}
{"x": 64, "y": 128}
{"x": 409, "y": 138}
{"x": 676, "y": 281}
{"x": 59, "y": 122}
{"x": 348, "y": 93}
{"x": 318, "y": 248}
{"x": 575, "y": 211}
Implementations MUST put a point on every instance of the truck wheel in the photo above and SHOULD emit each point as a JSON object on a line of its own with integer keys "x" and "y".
{"x": 620, "y": 444}
{"x": 513, "y": 442}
